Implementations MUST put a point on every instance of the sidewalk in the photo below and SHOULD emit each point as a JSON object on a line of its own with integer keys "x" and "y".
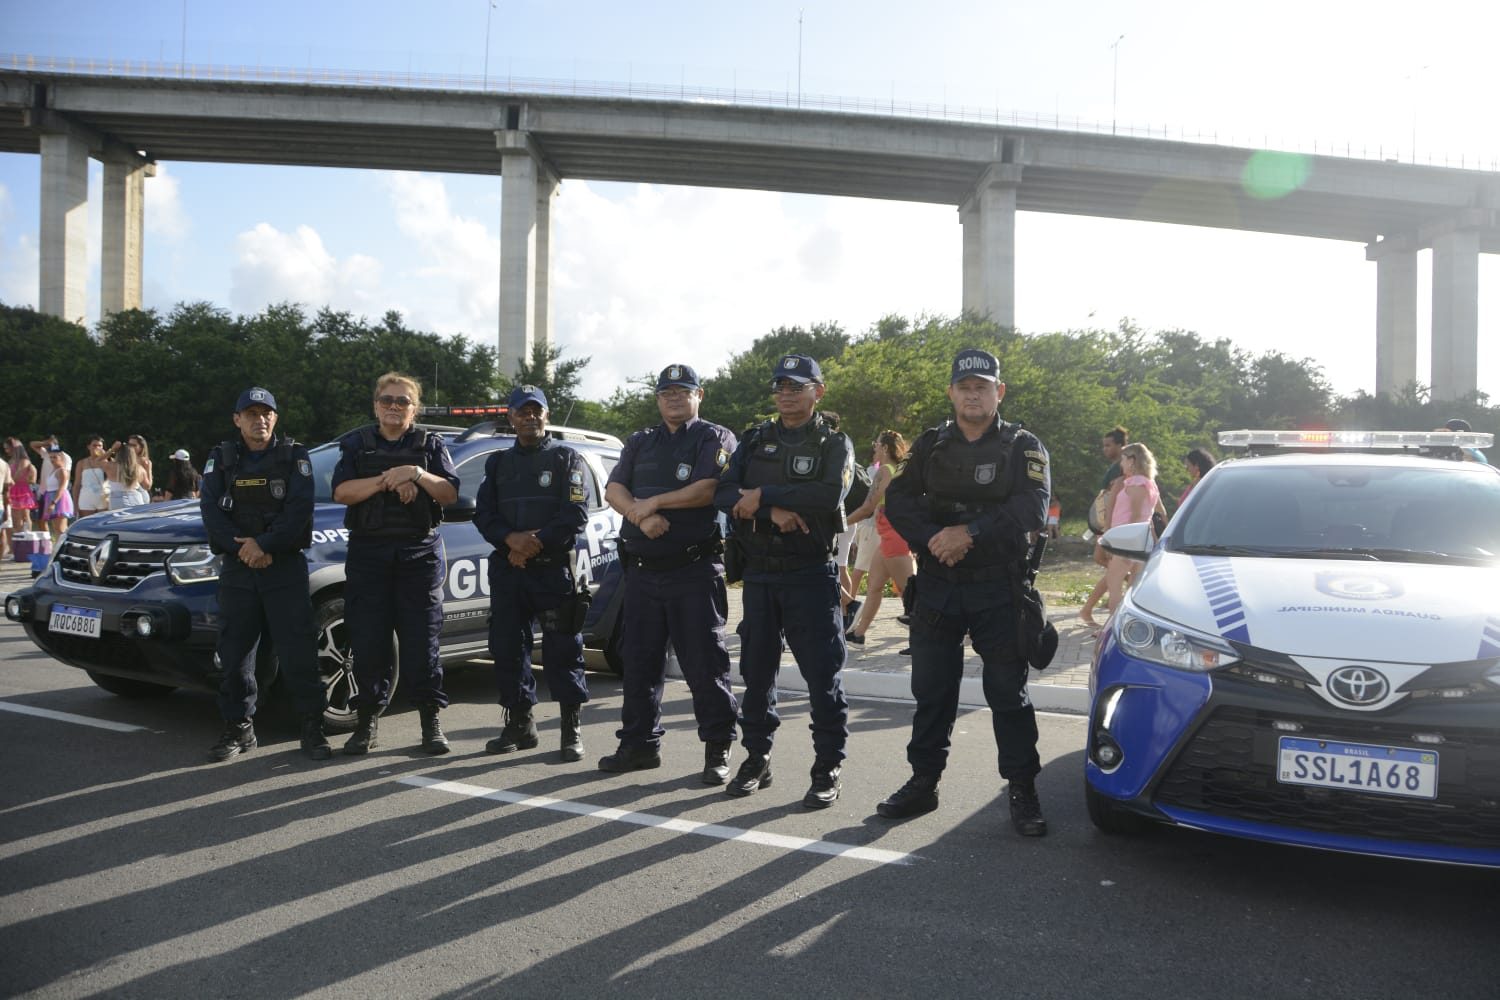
{"x": 876, "y": 670}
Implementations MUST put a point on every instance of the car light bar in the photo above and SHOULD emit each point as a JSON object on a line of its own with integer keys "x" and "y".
{"x": 1352, "y": 440}
{"x": 482, "y": 410}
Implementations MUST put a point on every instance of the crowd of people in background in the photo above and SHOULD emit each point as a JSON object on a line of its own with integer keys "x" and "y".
{"x": 47, "y": 493}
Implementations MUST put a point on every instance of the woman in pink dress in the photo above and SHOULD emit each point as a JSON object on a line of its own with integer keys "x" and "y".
{"x": 893, "y": 559}
{"x": 22, "y": 476}
{"x": 1137, "y": 499}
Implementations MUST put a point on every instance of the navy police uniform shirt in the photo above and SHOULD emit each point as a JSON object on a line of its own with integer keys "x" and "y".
{"x": 657, "y": 460}
{"x": 438, "y": 461}
{"x": 553, "y": 497}
{"x": 999, "y": 531}
{"x": 287, "y": 531}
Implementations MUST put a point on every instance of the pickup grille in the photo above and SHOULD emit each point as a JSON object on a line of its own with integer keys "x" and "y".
{"x": 129, "y": 563}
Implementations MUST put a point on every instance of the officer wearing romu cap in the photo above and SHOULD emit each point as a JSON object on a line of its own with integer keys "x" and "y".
{"x": 257, "y": 506}
{"x": 785, "y": 488}
{"x": 532, "y": 505}
{"x": 663, "y": 485}
{"x": 971, "y": 496}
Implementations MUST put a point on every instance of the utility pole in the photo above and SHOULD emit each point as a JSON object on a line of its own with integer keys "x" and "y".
{"x": 488, "y": 14}
{"x": 799, "y": 57}
{"x": 1114, "y": 102}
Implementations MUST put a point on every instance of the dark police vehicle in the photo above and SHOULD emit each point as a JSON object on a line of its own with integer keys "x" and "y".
{"x": 130, "y": 594}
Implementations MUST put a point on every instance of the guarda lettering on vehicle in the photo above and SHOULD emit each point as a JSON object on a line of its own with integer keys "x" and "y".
{"x": 1346, "y": 610}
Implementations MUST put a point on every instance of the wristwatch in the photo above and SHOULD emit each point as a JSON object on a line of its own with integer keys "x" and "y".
{"x": 418, "y": 476}
{"x": 972, "y": 528}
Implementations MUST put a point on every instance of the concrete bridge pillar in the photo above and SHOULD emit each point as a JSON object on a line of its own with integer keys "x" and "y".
{"x": 526, "y": 190}
{"x": 64, "y": 236}
{"x": 989, "y": 233}
{"x": 123, "y": 230}
{"x": 1455, "y": 314}
{"x": 1395, "y": 313}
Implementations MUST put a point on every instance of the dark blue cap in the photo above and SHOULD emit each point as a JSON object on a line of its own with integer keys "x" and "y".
{"x": 681, "y": 375}
{"x": 971, "y": 362}
{"x": 798, "y": 368}
{"x": 256, "y": 396}
{"x": 523, "y": 394}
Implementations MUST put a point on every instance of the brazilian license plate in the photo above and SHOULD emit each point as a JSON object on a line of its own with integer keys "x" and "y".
{"x": 75, "y": 621}
{"x": 1358, "y": 767}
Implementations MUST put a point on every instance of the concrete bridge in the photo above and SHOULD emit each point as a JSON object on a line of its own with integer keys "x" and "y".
{"x": 988, "y": 172}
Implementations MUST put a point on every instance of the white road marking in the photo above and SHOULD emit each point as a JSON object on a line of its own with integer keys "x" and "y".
{"x": 870, "y": 854}
{"x": 80, "y": 720}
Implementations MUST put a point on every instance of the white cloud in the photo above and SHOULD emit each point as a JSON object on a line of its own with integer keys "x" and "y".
{"x": 273, "y": 266}
{"x": 19, "y": 259}
{"x": 449, "y": 279}
{"x": 166, "y": 218}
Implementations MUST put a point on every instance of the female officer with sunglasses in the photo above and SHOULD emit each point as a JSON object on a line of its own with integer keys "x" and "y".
{"x": 396, "y": 480}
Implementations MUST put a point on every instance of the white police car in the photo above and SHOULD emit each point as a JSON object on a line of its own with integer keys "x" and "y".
{"x": 1311, "y": 653}
{"x": 130, "y": 594}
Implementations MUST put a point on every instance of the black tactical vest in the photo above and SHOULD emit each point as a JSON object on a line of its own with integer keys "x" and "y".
{"x": 530, "y": 487}
{"x": 254, "y": 499}
{"x": 384, "y": 515}
{"x": 664, "y": 463}
{"x": 964, "y": 480}
{"x": 774, "y": 462}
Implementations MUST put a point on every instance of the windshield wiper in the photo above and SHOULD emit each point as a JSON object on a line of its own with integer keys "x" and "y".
{"x": 1228, "y": 550}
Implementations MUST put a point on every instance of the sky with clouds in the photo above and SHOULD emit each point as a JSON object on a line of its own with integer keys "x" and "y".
{"x": 647, "y": 274}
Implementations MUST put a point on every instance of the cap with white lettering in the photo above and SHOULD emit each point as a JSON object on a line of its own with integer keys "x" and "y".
{"x": 971, "y": 362}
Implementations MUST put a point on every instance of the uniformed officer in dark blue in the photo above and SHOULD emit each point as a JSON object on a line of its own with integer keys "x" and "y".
{"x": 531, "y": 507}
{"x": 396, "y": 478}
{"x": 664, "y": 487}
{"x": 972, "y": 493}
{"x": 257, "y": 505}
{"x": 785, "y": 489}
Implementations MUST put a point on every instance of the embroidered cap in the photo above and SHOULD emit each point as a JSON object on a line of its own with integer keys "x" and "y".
{"x": 682, "y": 375}
{"x": 256, "y": 397}
{"x": 523, "y": 394}
{"x": 797, "y": 368}
{"x": 971, "y": 362}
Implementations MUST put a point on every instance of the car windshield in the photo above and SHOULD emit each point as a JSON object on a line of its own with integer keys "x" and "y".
{"x": 324, "y": 458}
{"x": 1417, "y": 513}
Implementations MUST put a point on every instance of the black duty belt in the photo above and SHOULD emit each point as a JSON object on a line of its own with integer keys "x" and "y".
{"x": 664, "y": 564}
{"x": 953, "y": 574}
{"x": 784, "y": 564}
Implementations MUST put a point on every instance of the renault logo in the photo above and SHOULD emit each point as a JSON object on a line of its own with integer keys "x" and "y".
{"x": 1358, "y": 685}
{"x": 99, "y": 558}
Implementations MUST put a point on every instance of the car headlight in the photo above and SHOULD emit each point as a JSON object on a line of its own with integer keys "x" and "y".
{"x": 194, "y": 564}
{"x": 1154, "y": 640}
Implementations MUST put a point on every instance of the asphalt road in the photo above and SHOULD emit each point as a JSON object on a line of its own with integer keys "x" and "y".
{"x": 130, "y": 867}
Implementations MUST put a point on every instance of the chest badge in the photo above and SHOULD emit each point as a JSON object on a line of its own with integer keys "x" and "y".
{"x": 802, "y": 464}
{"x": 278, "y": 489}
{"x": 770, "y": 449}
{"x": 545, "y": 478}
{"x": 683, "y": 471}
{"x": 984, "y": 474}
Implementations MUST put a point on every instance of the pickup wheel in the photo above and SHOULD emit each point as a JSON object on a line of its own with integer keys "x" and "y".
{"x": 336, "y": 663}
{"x": 125, "y": 687}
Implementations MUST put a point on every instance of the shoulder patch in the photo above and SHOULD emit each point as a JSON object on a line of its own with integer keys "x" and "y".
{"x": 304, "y": 467}
{"x": 208, "y": 466}
{"x": 576, "y": 477}
{"x": 1036, "y": 470}
{"x": 1039, "y": 456}
{"x": 575, "y": 494}
{"x": 721, "y": 458}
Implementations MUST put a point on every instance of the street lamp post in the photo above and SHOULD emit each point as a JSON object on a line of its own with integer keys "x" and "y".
{"x": 1114, "y": 100}
{"x": 488, "y": 15}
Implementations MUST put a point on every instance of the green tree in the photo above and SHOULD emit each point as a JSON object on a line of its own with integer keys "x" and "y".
{"x": 558, "y": 379}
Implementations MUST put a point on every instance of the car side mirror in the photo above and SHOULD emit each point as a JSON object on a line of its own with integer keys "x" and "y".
{"x": 1133, "y": 541}
{"x": 460, "y": 510}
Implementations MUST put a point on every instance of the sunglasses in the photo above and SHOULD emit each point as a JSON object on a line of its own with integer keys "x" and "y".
{"x": 789, "y": 388}
{"x": 401, "y": 401}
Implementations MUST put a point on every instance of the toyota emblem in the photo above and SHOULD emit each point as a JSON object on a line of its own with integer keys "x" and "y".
{"x": 1358, "y": 686}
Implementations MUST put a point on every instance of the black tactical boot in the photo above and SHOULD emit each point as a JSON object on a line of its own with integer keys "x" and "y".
{"x": 571, "y": 747}
{"x": 631, "y": 757}
{"x": 519, "y": 733}
{"x": 716, "y": 763}
{"x": 362, "y": 740}
{"x": 1026, "y": 809}
{"x": 825, "y": 785}
{"x": 238, "y": 738}
{"x": 754, "y": 774}
{"x": 314, "y": 743}
{"x": 433, "y": 740}
{"x": 919, "y": 795}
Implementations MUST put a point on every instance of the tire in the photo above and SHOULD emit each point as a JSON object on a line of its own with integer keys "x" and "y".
{"x": 125, "y": 687}
{"x": 614, "y": 658}
{"x": 335, "y": 664}
{"x": 1110, "y": 817}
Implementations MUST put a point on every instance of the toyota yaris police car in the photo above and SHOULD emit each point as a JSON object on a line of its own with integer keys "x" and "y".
{"x": 130, "y": 595}
{"x": 1311, "y": 653}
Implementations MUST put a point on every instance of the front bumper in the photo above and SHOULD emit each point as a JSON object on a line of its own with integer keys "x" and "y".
{"x": 1200, "y": 750}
